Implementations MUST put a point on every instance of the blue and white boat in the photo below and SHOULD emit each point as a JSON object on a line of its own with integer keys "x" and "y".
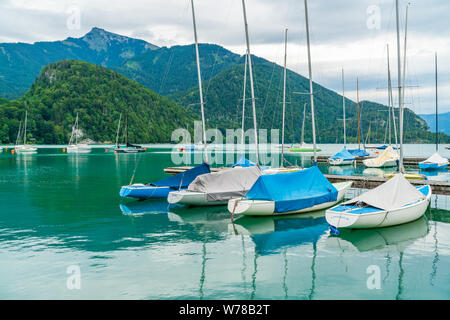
{"x": 161, "y": 188}
{"x": 358, "y": 153}
{"x": 341, "y": 158}
{"x": 435, "y": 162}
{"x": 394, "y": 202}
{"x": 288, "y": 193}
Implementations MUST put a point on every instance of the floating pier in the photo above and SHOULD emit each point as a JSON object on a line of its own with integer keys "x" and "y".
{"x": 406, "y": 161}
{"x": 438, "y": 187}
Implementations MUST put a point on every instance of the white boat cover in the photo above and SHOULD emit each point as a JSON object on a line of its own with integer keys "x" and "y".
{"x": 393, "y": 194}
{"x": 436, "y": 158}
{"x": 226, "y": 184}
{"x": 388, "y": 154}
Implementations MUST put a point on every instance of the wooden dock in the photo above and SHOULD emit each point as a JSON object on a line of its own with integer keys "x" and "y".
{"x": 438, "y": 187}
{"x": 406, "y": 161}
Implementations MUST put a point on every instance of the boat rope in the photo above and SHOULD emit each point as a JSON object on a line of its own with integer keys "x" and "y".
{"x": 135, "y": 167}
{"x": 234, "y": 209}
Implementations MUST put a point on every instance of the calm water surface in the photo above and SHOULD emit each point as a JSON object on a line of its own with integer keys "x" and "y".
{"x": 59, "y": 210}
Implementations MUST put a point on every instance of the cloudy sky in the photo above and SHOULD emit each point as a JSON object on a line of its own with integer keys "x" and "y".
{"x": 348, "y": 34}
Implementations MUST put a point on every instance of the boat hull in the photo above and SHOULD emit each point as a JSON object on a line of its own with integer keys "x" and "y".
{"x": 141, "y": 191}
{"x": 25, "y": 149}
{"x": 191, "y": 198}
{"x": 340, "y": 162}
{"x": 129, "y": 150}
{"x": 379, "y": 218}
{"x": 386, "y": 164}
{"x": 78, "y": 149}
{"x": 267, "y": 208}
{"x": 432, "y": 166}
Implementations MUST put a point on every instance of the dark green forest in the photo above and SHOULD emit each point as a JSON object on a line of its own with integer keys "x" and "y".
{"x": 99, "y": 95}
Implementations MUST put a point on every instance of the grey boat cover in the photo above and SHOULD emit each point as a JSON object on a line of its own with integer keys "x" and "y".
{"x": 226, "y": 184}
{"x": 393, "y": 194}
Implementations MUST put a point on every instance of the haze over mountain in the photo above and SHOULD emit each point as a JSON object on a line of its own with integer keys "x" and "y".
{"x": 443, "y": 119}
{"x": 20, "y": 63}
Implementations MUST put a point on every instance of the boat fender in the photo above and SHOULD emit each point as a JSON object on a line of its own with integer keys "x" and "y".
{"x": 334, "y": 231}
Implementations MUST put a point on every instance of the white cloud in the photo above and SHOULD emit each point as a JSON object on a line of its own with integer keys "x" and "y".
{"x": 339, "y": 33}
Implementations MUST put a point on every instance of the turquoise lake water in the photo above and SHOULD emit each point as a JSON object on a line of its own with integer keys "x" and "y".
{"x": 61, "y": 210}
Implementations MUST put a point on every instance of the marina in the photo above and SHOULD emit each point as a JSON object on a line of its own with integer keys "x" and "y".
{"x": 157, "y": 170}
{"x": 73, "y": 215}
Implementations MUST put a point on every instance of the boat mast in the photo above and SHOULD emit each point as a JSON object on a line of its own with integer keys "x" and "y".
{"x": 251, "y": 81}
{"x": 118, "y": 129}
{"x": 343, "y": 106}
{"x": 399, "y": 81}
{"x": 357, "y": 111}
{"x": 76, "y": 130}
{"x": 311, "y": 92}
{"x": 243, "y": 102}
{"x": 284, "y": 96}
{"x": 25, "y": 128}
{"x": 436, "y": 94}
{"x": 391, "y": 99}
{"x": 199, "y": 81}
{"x": 303, "y": 126}
{"x": 18, "y": 133}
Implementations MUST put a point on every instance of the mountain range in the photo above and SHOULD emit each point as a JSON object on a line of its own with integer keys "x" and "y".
{"x": 443, "y": 119}
{"x": 171, "y": 72}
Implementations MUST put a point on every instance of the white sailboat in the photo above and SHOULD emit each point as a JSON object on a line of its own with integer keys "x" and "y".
{"x": 74, "y": 146}
{"x": 24, "y": 148}
{"x": 394, "y": 202}
{"x": 292, "y": 192}
{"x": 343, "y": 157}
{"x": 436, "y": 161}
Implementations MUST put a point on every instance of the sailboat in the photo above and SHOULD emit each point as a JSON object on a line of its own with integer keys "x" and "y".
{"x": 394, "y": 202}
{"x": 343, "y": 157}
{"x": 436, "y": 161}
{"x": 128, "y": 148}
{"x": 161, "y": 188}
{"x": 24, "y": 148}
{"x": 74, "y": 146}
{"x": 358, "y": 153}
{"x": 291, "y": 192}
{"x": 303, "y": 147}
{"x": 218, "y": 187}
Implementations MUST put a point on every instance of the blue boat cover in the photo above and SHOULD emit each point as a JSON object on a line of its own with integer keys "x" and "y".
{"x": 293, "y": 191}
{"x": 183, "y": 179}
{"x": 243, "y": 162}
{"x": 344, "y": 155}
{"x": 359, "y": 153}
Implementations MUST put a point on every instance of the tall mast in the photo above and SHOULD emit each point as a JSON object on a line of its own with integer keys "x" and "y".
{"x": 391, "y": 99}
{"x": 243, "y": 100}
{"x": 18, "y": 133}
{"x": 199, "y": 81}
{"x": 25, "y": 128}
{"x": 76, "y": 130}
{"x": 399, "y": 81}
{"x": 284, "y": 96}
{"x": 357, "y": 111}
{"x": 343, "y": 106}
{"x": 126, "y": 127}
{"x": 252, "y": 91}
{"x": 303, "y": 125}
{"x": 436, "y": 91}
{"x": 311, "y": 92}
{"x": 118, "y": 129}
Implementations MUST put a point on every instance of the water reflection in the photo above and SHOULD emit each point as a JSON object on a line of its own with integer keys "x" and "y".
{"x": 272, "y": 234}
{"x": 398, "y": 237}
{"x": 436, "y": 175}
